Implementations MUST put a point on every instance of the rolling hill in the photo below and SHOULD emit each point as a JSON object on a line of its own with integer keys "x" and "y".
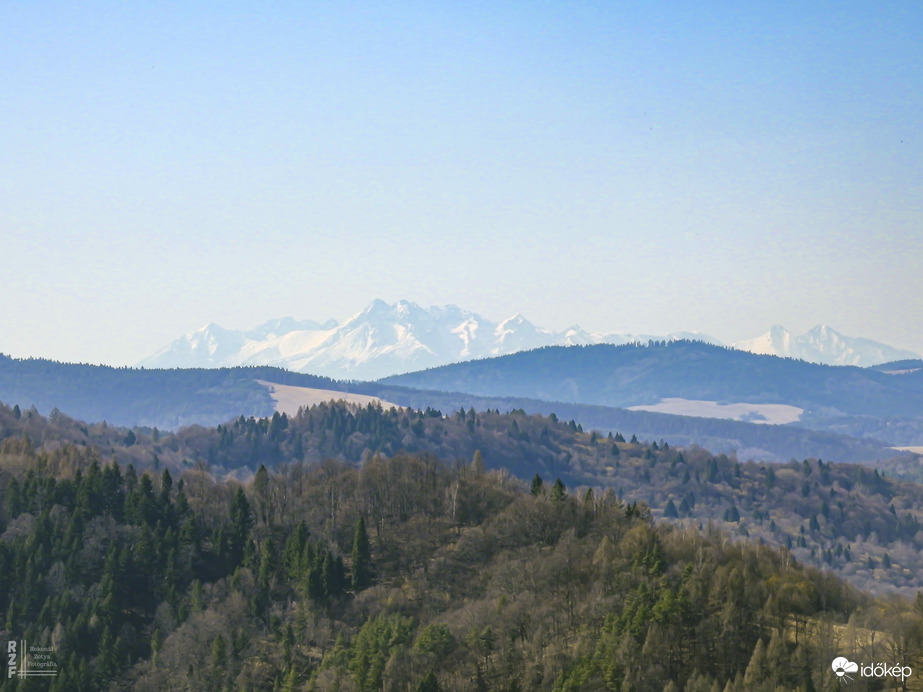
{"x": 868, "y": 402}
{"x": 171, "y": 399}
{"x": 843, "y": 517}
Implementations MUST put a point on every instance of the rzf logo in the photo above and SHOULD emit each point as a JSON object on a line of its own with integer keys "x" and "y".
{"x": 11, "y": 661}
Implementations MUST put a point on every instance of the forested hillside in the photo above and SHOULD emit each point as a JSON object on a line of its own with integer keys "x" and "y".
{"x": 639, "y": 374}
{"x": 865, "y": 526}
{"x": 748, "y": 440}
{"x": 403, "y": 574}
{"x": 842, "y": 517}
{"x": 171, "y": 399}
{"x": 138, "y": 397}
{"x": 847, "y": 400}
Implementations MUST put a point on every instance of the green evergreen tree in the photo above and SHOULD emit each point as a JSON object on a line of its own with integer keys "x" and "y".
{"x": 429, "y": 684}
{"x": 290, "y": 683}
{"x": 361, "y": 557}
{"x": 241, "y": 521}
{"x": 477, "y": 462}
{"x": 732, "y": 514}
{"x": 107, "y": 660}
{"x": 558, "y": 491}
{"x": 536, "y": 488}
{"x": 589, "y": 499}
{"x": 219, "y": 656}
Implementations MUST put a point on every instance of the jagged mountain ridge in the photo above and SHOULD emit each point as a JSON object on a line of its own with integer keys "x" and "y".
{"x": 824, "y": 345}
{"x": 387, "y": 339}
{"x": 381, "y": 340}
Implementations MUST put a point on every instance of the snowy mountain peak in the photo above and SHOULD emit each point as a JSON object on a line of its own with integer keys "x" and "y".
{"x": 404, "y": 307}
{"x": 575, "y": 335}
{"x": 402, "y": 311}
{"x": 376, "y": 307}
{"x": 383, "y": 339}
{"x": 778, "y": 341}
{"x": 386, "y": 339}
{"x": 518, "y": 334}
{"x": 205, "y": 347}
{"x": 823, "y": 344}
{"x": 516, "y": 322}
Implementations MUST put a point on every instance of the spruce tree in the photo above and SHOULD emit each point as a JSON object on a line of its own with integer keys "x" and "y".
{"x": 241, "y": 521}
{"x": 589, "y": 500}
{"x": 477, "y": 463}
{"x": 558, "y": 491}
{"x": 429, "y": 684}
{"x": 362, "y": 557}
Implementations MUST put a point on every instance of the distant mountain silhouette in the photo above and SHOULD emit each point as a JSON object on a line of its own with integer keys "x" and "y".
{"x": 630, "y": 375}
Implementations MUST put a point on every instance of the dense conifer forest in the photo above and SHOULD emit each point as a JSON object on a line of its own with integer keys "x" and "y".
{"x": 381, "y": 550}
{"x": 858, "y": 522}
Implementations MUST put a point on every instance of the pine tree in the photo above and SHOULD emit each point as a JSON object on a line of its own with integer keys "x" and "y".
{"x": 589, "y": 499}
{"x": 537, "y": 484}
{"x": 429, "y": 684}
{"x": 758, "y": 669}
{"x": 290, "y": 683}
{"x": 219, "y": 656}
{"x": 362, "y": 557}
{"x": 107, "y": 660}
{"x": 241, "y": 521}
{"x": 477, "y": 463}
{"x": 558, "y": 491}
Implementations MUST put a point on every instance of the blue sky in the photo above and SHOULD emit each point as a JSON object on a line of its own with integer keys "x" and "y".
{"x": 644, "y": 167}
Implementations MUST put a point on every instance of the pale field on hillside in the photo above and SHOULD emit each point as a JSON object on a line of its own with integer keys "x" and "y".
{"x": 777, "y": 414}
{"x": 289, "y": 398}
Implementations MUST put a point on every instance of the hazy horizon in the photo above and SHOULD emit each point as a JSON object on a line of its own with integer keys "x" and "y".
{"x": 629, "y": 168}
{"x": 341, "y": 319}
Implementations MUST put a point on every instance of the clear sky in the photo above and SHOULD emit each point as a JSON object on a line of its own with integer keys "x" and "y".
{"x": 636, "y": 166}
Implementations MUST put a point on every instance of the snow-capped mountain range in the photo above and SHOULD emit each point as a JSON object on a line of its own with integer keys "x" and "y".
{"x": 823, "y": 345}
{"x": 388, "y": 339}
